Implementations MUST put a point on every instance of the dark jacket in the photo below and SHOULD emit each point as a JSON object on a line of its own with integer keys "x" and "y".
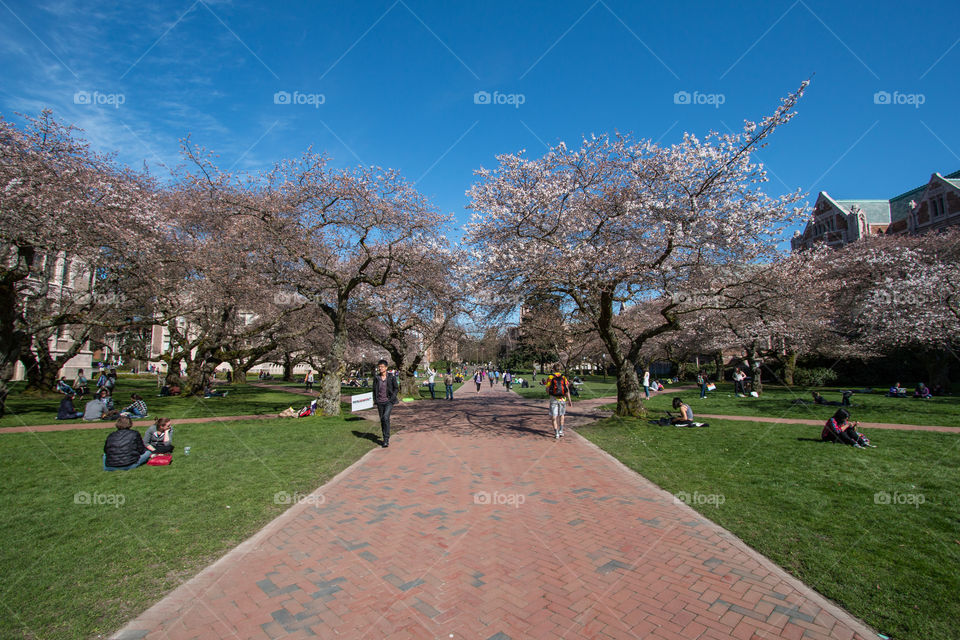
{"x": 123, "y": 448}
{"x": 66, "y": 410}
{"x": 393, "y": 387}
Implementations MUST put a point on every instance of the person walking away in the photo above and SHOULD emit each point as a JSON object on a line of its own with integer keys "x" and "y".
{"x": 431, "y": 379}
{"x": 507, "y": 380}
{"x": 558, "y": 388}
{"x": 385, "y": 389}
{"x": 448, "y": 383}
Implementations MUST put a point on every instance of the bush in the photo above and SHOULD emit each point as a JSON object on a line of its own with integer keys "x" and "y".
{"x": 816, "y": 377}
{"x": 688, "y": 371}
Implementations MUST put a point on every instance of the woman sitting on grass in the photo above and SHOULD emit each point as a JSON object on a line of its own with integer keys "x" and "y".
{"x": 838, "y": 429}
{"x": 159, "y": 437}
{"x": 124, "y": 449}
{"x": 67, "y": 411}
{"x": 685, "y": 419}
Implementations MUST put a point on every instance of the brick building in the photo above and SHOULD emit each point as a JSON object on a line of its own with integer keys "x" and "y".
{"x": 934, "y": 205}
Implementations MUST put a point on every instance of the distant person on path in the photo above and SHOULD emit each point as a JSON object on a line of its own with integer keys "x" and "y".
{"x": 558, "y": 388}
{"x": 385, "y": 389}
{"x": 308, "y": 381}
{"x": 67, "y": 411}
{"x": 646, "y": 382}
{"x": 448, "y": 384}
{"x": 478, "y": 378}
{"x": 838, "y": 429}
{"x": 492, "y": 378}
{"x": 507, "y": 380}
{"x": 703, "y": 381}
{"x": 124, "y": 448}
{"x": 431, "y": 381}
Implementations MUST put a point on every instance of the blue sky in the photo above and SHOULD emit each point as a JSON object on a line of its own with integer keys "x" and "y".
{"x": 395, "y": 82}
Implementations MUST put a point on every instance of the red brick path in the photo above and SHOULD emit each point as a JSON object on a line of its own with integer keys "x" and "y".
{"x": 477, "y": 523}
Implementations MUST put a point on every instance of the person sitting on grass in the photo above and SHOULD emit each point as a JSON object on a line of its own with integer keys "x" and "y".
{"x": 685, "y": 419}
{"x": 124, "y": 449}
{"x": 64, "y": 387}
{"x": 67, "y": 411}
{"x": 839, "y": 429}
{"x": 159, "y": 437}
{"x": 896, "y": 391}
{"x": 100, "y": 407}
{"x": 137, "y": 409}
{"x": 210, "y": 392}
{"x": 81, "y": 384}
{"x": 922, "y": 392}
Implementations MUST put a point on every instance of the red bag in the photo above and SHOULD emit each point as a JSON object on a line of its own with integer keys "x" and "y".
{"x": 160, "y": 460}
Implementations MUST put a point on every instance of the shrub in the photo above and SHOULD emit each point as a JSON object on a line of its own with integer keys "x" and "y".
{"x": 815, "y": 377}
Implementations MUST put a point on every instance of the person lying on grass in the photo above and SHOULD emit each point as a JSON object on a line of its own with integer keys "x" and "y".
{"x": 685, "y": 419}
{"x": 839, "y": 429}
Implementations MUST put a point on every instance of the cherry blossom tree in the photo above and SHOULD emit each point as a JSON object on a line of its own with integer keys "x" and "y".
{"x": 72, "y": 227}
{"x": 619, "y": 222}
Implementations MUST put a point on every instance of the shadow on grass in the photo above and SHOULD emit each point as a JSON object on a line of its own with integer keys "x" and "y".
{"x": 366, "y": 435}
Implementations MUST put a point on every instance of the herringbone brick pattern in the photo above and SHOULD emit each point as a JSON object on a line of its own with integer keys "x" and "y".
{"x": 477, "y": 523}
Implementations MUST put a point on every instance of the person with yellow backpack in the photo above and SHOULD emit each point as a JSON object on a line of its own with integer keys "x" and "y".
{"x": 558, "y": 388}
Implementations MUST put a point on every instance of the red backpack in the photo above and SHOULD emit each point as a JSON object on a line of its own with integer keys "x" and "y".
{"x": 557, "y": 386}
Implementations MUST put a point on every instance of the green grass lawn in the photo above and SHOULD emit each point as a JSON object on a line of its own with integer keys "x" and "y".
{"x": 81, "y": 570}
{"x": 241, "y": 400}
{"x": 813, "y": 508}
{"x": 777, "y": 402}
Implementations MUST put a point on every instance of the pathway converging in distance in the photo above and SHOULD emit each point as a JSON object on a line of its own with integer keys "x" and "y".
{"x": 477, "y": 523}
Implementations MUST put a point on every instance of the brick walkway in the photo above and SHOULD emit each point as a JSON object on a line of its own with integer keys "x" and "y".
{"x": 477, "y": 523}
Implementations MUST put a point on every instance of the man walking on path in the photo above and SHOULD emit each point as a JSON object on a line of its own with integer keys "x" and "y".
{"x": 558, "y": 388}
{"x": 448, "y": 383}
{"x": 385, "y": 389}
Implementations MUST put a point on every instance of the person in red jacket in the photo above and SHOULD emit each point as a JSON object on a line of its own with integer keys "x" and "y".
{"x": 839, "y": 429}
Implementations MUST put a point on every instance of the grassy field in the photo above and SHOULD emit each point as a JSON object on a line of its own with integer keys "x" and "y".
{"x": 778, "y": 402}
{"x": 875, "y": 530}
{"x": 242, "y": 400}
{"x": 85, "y": 551}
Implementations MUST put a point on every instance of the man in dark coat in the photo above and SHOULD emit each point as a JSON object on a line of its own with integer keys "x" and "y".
{"x": 385, "y": 390}
{"x": 124, "y": 448}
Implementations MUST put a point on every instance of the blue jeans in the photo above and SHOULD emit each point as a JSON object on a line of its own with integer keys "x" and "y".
{"x": 703, "y": 390}
{"x": 135, "y": 414}
{"x": 432, "y": 397}
{"x": 646, "y": 390}
{"x": 449, "y": 392}
{"x": 143, "y": 458}
{"x": 73, "y": 416}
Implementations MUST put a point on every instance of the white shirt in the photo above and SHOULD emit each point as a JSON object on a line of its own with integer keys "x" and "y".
{"x": 646, "y": 378}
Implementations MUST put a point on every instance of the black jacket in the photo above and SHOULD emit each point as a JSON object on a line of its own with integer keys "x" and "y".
{"x": 393, "y": 387}
{"x": 66, "y": 410}
{"x": 123, "y": 447}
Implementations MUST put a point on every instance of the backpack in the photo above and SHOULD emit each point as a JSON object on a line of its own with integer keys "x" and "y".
{"x": 557, "y": 386}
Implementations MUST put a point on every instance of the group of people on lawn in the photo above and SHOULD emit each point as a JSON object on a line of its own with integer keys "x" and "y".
{"x": 124, "y": 449}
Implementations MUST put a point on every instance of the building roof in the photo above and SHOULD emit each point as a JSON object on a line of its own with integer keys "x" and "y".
{"x": 875, "y": 211}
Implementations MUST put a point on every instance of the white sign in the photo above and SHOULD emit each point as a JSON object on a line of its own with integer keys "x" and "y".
{"x": 361, "y": 402}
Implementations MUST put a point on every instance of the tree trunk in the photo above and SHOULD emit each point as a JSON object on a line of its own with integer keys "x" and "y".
{"x": 629, "y": 392}
{"x": 718, "y": 367}
{"x": 199, "y": 372}
{"x": 288, "y": 368}
{"x": 329, "y": 400}
{"x": 409, "y": 385}
{"x": 756, "y": 370}
{"x": 789, "y": 368}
